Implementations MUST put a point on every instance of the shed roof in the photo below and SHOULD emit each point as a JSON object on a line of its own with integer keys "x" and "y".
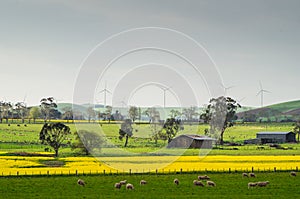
{"x": 198, "y": 137}
{"x": 273, "y": 133}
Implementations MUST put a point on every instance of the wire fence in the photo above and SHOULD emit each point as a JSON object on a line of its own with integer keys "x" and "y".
{"x": 65, "y": 172}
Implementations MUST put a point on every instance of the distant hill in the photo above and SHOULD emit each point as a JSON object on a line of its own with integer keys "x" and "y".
{"x": 287, "y": 111}
{"x": 63, "y": 106}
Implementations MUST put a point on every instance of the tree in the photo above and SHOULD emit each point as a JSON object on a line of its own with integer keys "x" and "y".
{"x": 170, "y": 128}
{"x": 68, "y": 114}
{"x": 126, "y": 131}
{"x": 90, "y": 113}
{"x": 108, "y": 112}
{"x": 21, "y": 110}
{"x": 47, "y": 105}
{"x": 87, "y": 141}
{"x": 296, "y": 129}
{"x": 174, "y": 113}
{"x": 190, "y": 113}
{"x": 6, "y": 108}
{"x": 221, "y": 114}
{"x": 133, "y": 113}
{"x": 54, "y": 134}
{"x": 153, "y": 114}
{"x": 34, "y": 113}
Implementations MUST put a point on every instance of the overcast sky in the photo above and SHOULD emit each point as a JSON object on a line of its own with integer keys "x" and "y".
{"x": 43, "y": 45}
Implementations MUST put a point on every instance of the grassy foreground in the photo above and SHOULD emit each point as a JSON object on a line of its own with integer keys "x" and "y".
{"x": 159, "y": 186}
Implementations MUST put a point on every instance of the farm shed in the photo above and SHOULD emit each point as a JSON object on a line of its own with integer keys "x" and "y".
{"x": 276, "y": 137}
{"x": 192, "y": 141}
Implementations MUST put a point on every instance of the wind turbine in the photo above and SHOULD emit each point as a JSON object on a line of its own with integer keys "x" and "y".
{"x": 105, "y": 91}
{"x": 261, "y": 92}
{"x": 165, "y": 89}
{"x": 226, "y": 88}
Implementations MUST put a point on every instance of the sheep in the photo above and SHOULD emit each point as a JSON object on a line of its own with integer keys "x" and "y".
{"x": 80, "y": 182}
{"x": 129, "y": 186}
{"x": 118, "y": 185}
{"x": 252, "y": 175}
{"x": 176, "y": 181}
{"x": 143, "y": 182}
{"x": 123, "y": 182}
{"x": 262, "y": 184}
{"x": 245, "y": 175}
{"x": 252, "y": 184}
{"x": 205, "y": 177}
{"x": 198, "y": 183}
{"x": 293, "y": 173}
{"x": 210, "y": 184}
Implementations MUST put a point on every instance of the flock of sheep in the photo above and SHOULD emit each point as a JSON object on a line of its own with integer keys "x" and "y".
{"x": 198, "y": 182}
{"x": 261, "y": 183}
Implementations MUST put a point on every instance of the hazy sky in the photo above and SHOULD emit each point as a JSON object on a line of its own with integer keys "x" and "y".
{"x": 43, "y": 45}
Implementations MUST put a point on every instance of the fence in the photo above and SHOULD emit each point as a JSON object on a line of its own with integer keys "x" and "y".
{"x": 141, "y": 172}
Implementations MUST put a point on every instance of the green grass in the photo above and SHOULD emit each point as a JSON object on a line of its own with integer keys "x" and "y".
{"x": 21, "y": 138}
{"x": 286, "y": 106}
{"x": 160, "y": 186}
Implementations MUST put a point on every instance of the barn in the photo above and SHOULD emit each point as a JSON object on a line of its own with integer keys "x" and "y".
{"x": 192, "y": 141}
{"x": 276, "y": 137}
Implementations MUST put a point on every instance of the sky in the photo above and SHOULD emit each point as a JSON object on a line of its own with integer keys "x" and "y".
{"x": 71, "y": 49}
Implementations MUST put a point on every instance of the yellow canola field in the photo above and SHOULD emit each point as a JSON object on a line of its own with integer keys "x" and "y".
{"x": 18, "y": 165}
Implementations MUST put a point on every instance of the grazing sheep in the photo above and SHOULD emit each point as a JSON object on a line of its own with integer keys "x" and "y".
{"x": 252, "y": 184}
{"x": 198, "y": 183}
{"x": 129, "y": 186}
{"x": 211, "y": 184}
{"x": 245, "y": 175}
{"x": 80, "y": 182}
{"x": 262, "y": 184}
{"x": 143, "y": 182}
{"x": 123, "y": 182}
{"x": 293, "y": 173}
{"x": 252, "y": 175}
{"x": 118, "y": 185}
{"x": 205, "y": 177}
{"x": 176, "y": 181}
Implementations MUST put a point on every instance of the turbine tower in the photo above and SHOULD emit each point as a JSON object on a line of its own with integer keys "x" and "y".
{"x": 261, "y": 92}
{"x": 165, "y": 89}
{"x": 105, "y": 91}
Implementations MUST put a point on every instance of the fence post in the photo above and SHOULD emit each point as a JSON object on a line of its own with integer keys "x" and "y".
{"x": 296, "y": 168}
{"x": 229, "y": 170}
{"x": 17, "y": 173}
{"x": 76, "y": 173}
{"x": 252, "y": 169}
{"x": 104, "y": 172}
{"x": 274, "y": 169}
{"x": 48, "y": 172}
{"x": 129, "y": 171}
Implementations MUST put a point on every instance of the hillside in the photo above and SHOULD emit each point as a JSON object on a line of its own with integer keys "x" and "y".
{"x": 286, "y": 111}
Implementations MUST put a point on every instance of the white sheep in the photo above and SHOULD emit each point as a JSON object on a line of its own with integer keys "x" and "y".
{"x": 80, "y": 182}
{"x": 143, "y": 182}
{"x": 118, "y": 185}
{"x": 252, "y": 175}
{"x": 293, "y": 173}
{"x": 198, "y": 183}
{"x": 245, "y": 175}
{"x": 176, "y": 181}
{"x": 262, "y": 184}
{"x": 210, "y": 183}
{"x": 123, "y": 182}
{"x": 205, "y": 177}
{"x": 129, "y": 186}
{"x": 252, "y": 184}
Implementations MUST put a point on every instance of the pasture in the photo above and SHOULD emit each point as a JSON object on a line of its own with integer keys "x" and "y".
{"x": 229, "y": 185}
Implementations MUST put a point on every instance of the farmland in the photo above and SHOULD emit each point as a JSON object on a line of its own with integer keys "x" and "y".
{"x": 229, "y": 185}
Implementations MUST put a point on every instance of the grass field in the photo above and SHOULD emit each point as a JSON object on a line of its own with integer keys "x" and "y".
{"x": 159, "y": 186}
